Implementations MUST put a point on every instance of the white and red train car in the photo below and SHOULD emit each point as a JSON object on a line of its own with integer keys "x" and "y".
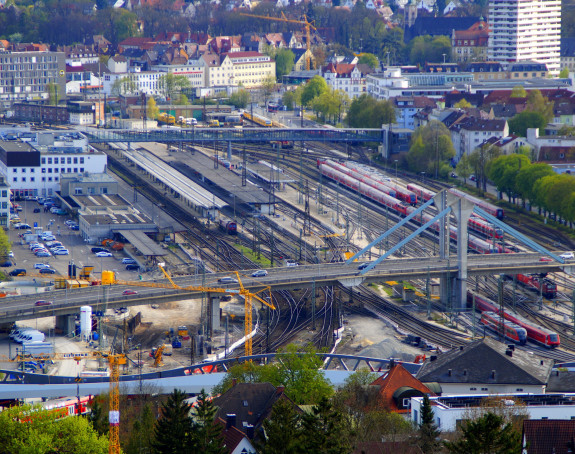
{"x": 512, "y": 331}
{"x": 535, "y": 333}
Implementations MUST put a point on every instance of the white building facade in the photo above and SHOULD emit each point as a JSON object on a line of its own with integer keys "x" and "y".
{"x": 525, "y": 30}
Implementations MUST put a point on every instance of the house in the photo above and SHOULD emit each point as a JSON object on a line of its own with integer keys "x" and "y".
{"x": 469, "y": 133}
{"x": 487, "y": 70}
{"x": 407, "y": 106}
{"x": 398, "y": 386}
{"x": 549, "y": 436}
{"x": 552, "y": 149}
{"x": 487, "y": 367}
{"x": 567, "y": 53}
{"x": 235, "y": 441}
{"x": 438, "y": 26}
{"x": 509, "y": 144}
{"x": 301, "y": 57}
{"x": 470, "y": 44}
{"x": 452, "y": 98}
{"x": 346, "y": 77}
{"x": 246, "y": 406}
{"x": 527, "y": 70}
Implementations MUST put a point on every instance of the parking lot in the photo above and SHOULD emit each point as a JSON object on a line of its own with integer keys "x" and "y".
{"x": 79, "y": 251}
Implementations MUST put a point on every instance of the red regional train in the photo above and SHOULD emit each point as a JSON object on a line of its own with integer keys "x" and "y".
{"x": 535, "y": 282}
{"x": 512, "y": 331}
{"x": 421, "y": 192}
{"x": 489, "y": 208}
{"x": 534, "y": 333}
{"x": 228, "y": 226}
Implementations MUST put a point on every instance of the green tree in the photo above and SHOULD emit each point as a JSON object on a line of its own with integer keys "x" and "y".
{"x": 480, "y": 160}
{"x": 172, "y": 85}
{"x": 463, "y": 104}
{"x": 97, "y": 417}
{"x": 34, "y": 429}
{"x": 518, "y": 92}
{"x": 564, "y": 73}
{"x": 369, "y": 60}
{"x": 118, "y": 24}
{"x": 312, "y": 89}
{"x": 504, "y": 170}
{"x": 141, "y": 437}
{"x": 487, "y": 434}
{"x": 53, "y": 93}
{"x": 519, "y": 124}
{"x": 536, "y": 102}
{"x": 288, "y": 99}
{"x": 464, "y": 168}
{"x": 367, "y": 112}
{"x": 428, "y": 431}
{"x": 268, "y": 86}
{"x": 527, "y": 178}
{"x": 431, "y": 150}
{"x": 123, "y": 85}
{"x": 424, "y": 49}
{"x": 285, "y": 59}
{"x": 325, "y": 430}
{"x": 207, "y": 433}
{"x": 152, "y": 109}
{"x": 173, "y": 431}
{"x": 282, "y": 430}
{"x": 240, "y": 98}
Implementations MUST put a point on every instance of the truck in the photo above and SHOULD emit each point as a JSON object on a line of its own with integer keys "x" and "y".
{"x": 214, "y": 124}
{"x": 166, "y": 119}
{"x": 37, "y": 349}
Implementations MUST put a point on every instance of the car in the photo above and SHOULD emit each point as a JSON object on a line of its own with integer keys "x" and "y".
{"x": 260, "y": 273}
{"x": 95, "y": 250}
{"x": 10, "y": 254}
{"x": 39, "y": 249}
{"x": 53, "y": 243}
{"x": 131, "y": 267}
{"x": 61, "y": 252}
{"x": 48, "y": 237}
{"x": 128, "y": 261}
{"x": 6, "y": 264}
{"x": 129, "y": 292}
{"x": 290, "y": 262}
{"x": 567, "y": 255}
{"x": 69, "y": 222}
{"x": 472, "y": 178}
{"x": 43, "y": 303}
{"x": 545, "y": 259}
{"x": 43, "y": 254}
{"x": 363, "y": 266}
{"x": 47, "y": 271}
{"x": 17, "y": 272}
{"x": 61, "y": 212}
{"x": 41, "y": 266}
{"x": 75, "y": 227}
{"x": 23, "y": 226}
{"x": 227, "y": 280}
{"x": 104, "y": 254}
{"x": 37, "y": 210}
{"x": 40, "y": 200}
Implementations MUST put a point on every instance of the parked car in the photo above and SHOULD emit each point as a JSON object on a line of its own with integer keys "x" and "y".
{"x": 43, "y": 303}
{"x": 129, "y": 292}
{"x": 37, "y": 210}
{"x": 9, "y": 263}
{"x": 43, "y": 254}
{"x": 104, "y": 254}
{"x": 17, "y": 272}
{"x": 69, "y": 222}
{"x": 130, "y": 267}
{"x": 23, "y": 226}
{"x": 41, "y": 266}
{"x": 75, "y": 227}
{"x": 259, "y": 273}
{"x": 129, "y": 261}
{"x": 48, "y": 237}
{"x": 47, "y": 271}
{"x": 61, "y": 252}
{"x": 95, "y": 250}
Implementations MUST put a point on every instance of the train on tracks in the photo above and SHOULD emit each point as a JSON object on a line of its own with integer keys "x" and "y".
{"x": 512, "y": 331}
{"x": 535, "y": 333}
{"x": 228, "y": 225}
{"x": 538, "y": 283}
{"x": 257, "y": 119}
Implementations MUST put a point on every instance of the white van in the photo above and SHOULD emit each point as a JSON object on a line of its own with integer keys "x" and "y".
{"x": 18, "y": 331}
{"x": 30, "y": 336}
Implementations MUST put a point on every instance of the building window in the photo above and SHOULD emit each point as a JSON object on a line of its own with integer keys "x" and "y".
{"x": 15, "y": 179}
{"x": 519, "y": 389}
{"x": 484, "y": 389}
{"x": 15, "y": 170}
{"x": 32, "y": 179}
{"x": 43, "y": 178}
{"x": 43, "y": 160}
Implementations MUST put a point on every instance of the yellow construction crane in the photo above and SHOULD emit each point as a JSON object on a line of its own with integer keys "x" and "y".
{"x": 308, "y": 26}
{"x": 115, "y": 360}
{"x": 109, "y": 277}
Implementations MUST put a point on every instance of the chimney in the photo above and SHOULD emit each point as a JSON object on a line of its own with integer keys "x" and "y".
{"x": 509, "y": 352}
{"x": 230, "y": 421}
{"x": 511, "y": 347}
{"x": 280, "y": 390}
{"x": 449, "y": 372}
{"x": 493, "y": 373}
{"x": 250, "y": 431}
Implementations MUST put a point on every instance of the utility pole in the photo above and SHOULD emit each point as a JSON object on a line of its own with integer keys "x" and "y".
{"x": 244, "y": 168}
{"x": 427, "y": 295}
{"x": 313, "y": 290}
{"x": 501, "y": 308}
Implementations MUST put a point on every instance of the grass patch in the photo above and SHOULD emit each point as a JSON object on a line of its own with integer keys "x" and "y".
{"x": 263, "y": 261}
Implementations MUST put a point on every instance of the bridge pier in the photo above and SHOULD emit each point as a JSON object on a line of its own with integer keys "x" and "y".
{"x": 230, "y": 150}
{"x": 444, "y": 285}
{"x": 213, "y": 314}
{"x": 66, "y": 323}
{"x": 462, "y": 209}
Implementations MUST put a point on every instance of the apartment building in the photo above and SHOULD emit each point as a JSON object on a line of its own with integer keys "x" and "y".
{"x": 248, "y": 69}
{"x": 27, "y": 76}
{"x": 525, "y": 30}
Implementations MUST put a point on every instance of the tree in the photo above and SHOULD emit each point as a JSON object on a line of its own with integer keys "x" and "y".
{"x": 152, "y": 109}
{"x": 464, "y": 168}
{"x": 424, "y": 49}
{"x": 325, "y": 430}
{"x": 240, "y": 98}
{"x": 431, "y": 150}
{"x": 268, "y": 86}
{"x": 207, "y": 433}
{"x": 480, "y": 160}
{"x": 487, "y": 434}
{"x": 536, "y": 102}
{"x": 34, "y": 429}
{"x": 521, "y": 122}
{"x": 53, "y": 95}
{"x": 173, "y": 430}
{"x": 463, "y": 104}
{"x": 312, "y": 89}
{"x": 288, "y": 99}
{"x": 367, "y": 112}
{"x": 504, "y": 170}
{"x": 171, "y": 85}
{"x": 123, "y": 85}
{"x": 428, "y": 431}
{"x": 141, "y": 437}
{"x": 369, "y": 60}
{"x": 518, "y": 92}
{"x": 527, "y": 178}
{"x": 285, "y": 59}
{"x": 564, "y": 73}
{"x": 97, "y": 417}
{"x": 282, "y": 430}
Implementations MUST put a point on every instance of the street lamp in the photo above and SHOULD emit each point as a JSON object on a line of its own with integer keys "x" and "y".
{"x": 444, "y": 58}
{"x": 423, "y": 177}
